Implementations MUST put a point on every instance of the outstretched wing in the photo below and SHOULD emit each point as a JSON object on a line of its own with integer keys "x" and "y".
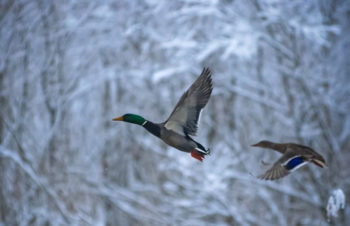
{"x": 283, "y": 166}
{"x": 184, "y": 117}
{"x": 277, "y": 171}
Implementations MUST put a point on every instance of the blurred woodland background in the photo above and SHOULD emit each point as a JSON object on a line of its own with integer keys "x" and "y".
{"x": 280, "y": 71}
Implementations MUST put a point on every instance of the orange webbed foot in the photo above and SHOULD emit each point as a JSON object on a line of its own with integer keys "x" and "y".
{"x": 197, "y": 155}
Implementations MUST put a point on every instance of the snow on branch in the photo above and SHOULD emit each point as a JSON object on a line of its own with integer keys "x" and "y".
{"x": 335, "y": 202}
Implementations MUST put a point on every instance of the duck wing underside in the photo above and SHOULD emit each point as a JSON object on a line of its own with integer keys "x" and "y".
{"x": 184, "y": 118}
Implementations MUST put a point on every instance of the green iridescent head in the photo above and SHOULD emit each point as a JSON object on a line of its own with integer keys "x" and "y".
{"x": 131, "y": 118}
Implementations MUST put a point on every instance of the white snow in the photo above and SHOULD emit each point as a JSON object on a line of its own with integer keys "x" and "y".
{"x": 336, "y": 202}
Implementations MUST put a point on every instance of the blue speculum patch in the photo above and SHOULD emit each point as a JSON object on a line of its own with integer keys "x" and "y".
{"x": 294, "y": 162}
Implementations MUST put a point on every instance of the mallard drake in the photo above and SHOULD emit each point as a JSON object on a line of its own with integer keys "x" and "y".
{"x": 183, "y": 121}
{"x": 294, "y": 156}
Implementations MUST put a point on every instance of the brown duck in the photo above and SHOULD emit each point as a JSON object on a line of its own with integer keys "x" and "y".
{"x": 294, "y": 156}
{"x": 176, "y": 131}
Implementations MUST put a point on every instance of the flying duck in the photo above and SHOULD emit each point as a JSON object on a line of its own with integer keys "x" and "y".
{"x": 176, "y": 131}
{"x": 294, "y": 156}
